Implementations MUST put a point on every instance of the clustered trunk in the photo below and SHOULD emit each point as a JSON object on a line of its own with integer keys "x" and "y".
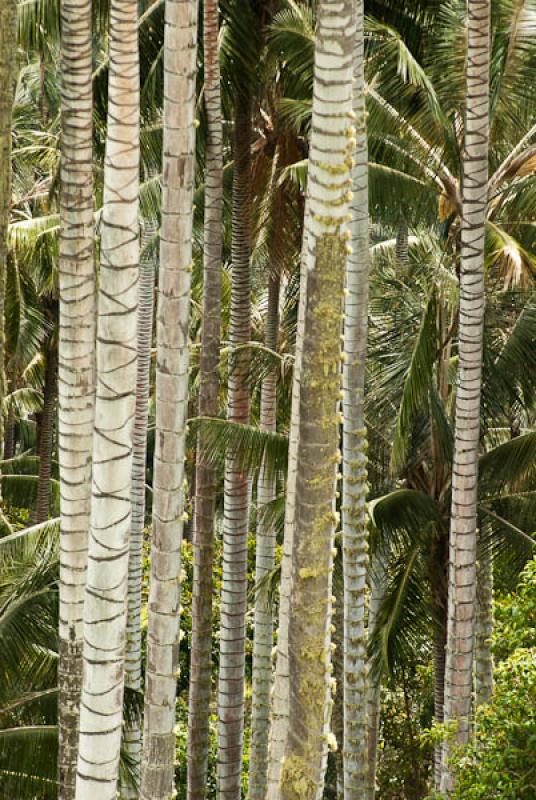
{"x": 463, "y": 534}
{"x": 264, "y": 564}
{"x": 236, "y": 506}
{"x": 76, "y": 369}
{"x": 354, "y": 465}
{"x": 105, "y": 606}
{"x": 172, "y": 344}
{"x": 206, "y": 477}
{"x": 324, "y": 253}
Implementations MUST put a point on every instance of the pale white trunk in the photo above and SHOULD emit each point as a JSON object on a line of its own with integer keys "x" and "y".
{"x": 325, "y": 252}
{"x": 463, "y": 534}
{"x": 101, "y": 709}
{"x": 264, "y": 564}
{"x": 172, "y": 337}
{"x": 354, "y": 510}
{"x": 132, "y": 734}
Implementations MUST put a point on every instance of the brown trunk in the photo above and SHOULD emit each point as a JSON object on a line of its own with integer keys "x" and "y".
{"x": 9, "y": 436}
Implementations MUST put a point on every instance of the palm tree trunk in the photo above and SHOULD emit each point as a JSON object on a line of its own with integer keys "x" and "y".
{"x": 9, "y": 434}
{"x": 354, "y": 510}
{"x": 439, "y": 656}
{"x": 205, "y": 484}
{"x": 172, "y": 341}
{"x": 105, "y": 605}
{"x": 325, "y": 251}
{"x": 236, "y": 501}
{"x": 378, "y": 579}
{"x": 46, "y": 434}
{"x": 463, "y": 535}
{"x": 132, "y": 734}
{"x": 279, "y": 716}
{"x": 484, "y": 630}
{"x": 8, "y": 63}
{"x": 265, "y": 560}
{"x": 402, "y": 237}
{"x": 76, "y": 370}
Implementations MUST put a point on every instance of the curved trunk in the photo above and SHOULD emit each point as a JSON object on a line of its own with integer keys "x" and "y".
{"x": 172, "y": 343}
{"x": 8, "y": 64}
{"x": 132, "y": 734}
{"x": 46, "y": 434}
{"x": 325, "y": 251}
{"x": 354, "y": 510}
{"x": 463, "y": 534}
{"x": 76, "y": 369}
{"x": 108, "y": 555}
{"x": 205, "y": 492}
{"x": 484, "y": 630}
{"x": 235, "y": 526}
{"x": 264, "y": 563}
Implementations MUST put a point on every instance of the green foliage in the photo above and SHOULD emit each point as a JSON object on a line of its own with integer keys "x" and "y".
{"x": 501, "y": 761}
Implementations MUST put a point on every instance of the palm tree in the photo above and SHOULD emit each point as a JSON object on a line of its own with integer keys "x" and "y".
{"x": 463, "y": 533}
{"x": 324, "y": 257}
{"x": 133, "y": 677}
{"x": 173, "y": 314}
{"x": 108, "y": 553}
{"x": 206, "y": 476}
{"x": 354, "y": 514}
{"x": 264, "y": 563}
{"x": 8, "y": 54}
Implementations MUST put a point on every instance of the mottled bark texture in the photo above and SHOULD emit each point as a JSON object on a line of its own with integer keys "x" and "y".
{"x": 463, "y": 534}
{"x": 325, "y": 252}
{"x": 264, "y": 564}
{"x": 354, "y": 469}
{"x": 133, "y": 679}
{"x": 76, "y": 368}
{"x": 378, "y": 581}
{"x": 172, "y": 343}
{"x": 483, "y": 666}
{"x": 105, "y": 606}
{"x": 235, "y": 525}
{"x": 206, "y": 478}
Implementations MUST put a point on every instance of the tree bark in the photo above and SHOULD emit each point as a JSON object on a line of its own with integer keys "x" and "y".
{"x": 325, "y": 252}
{"x": 8, "y": 64}
{"x": 9, "y": 434}
{"x": 354, "y": 509}
{"x": 132, "y": 733}
{"x": 378, "y": 578}
{"x": 206, "y": 478}
{"x": 484, "y": 630}
{"x": 264, "y": 563}
{"x": 46, "y": 434}
{"x": 173, "y": 317}
{"x": 76, "y": 369}
{"x": 236, "y": 501}
{"x": 463, "y": 535}
{"x": 105, "y": 603}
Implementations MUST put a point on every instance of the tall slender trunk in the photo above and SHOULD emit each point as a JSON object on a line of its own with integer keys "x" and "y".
{"x": 279, "y": 716}
{"x": 439, "y": 657}
{"x": 206, "y": 478}
{"x": 264, "y": 563}
{"x": 354, "y": 510}
{"x": 132, "y": 733}
{"x": 172, "y": 338}
{"x": 325, "y": 251}
{"x": 402, "y": 244}
{"x": 46, "y": 434}
{"x": 378, "y": 578}
{"x": 463, "y": 535}
{"x": 105, "y": 605}
{"x": 484, "y": 630}
{"x": 236, "y": 502}
{"x": 8, "y": 62}
{"x": 76, "y": 369}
